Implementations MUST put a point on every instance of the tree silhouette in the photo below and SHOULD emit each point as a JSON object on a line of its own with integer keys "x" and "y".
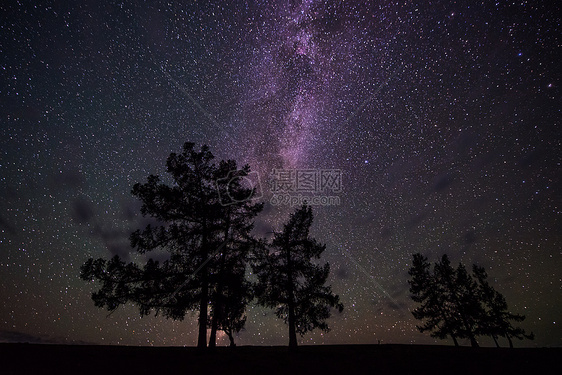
{"x": 231, "y": 292}
{"x": 457, "y": 304}
{"x": 448, "y": 306}
{"x": 290, "y": 282}
{"x": 207, "y": 239}
{"x": 434, "y": 307}
{"x": 458, "y": 295}
{"x": 230, "y": 307}
{"x": 496, "y": 320}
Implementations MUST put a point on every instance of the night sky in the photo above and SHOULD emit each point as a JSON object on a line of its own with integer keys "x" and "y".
{"x": 443, "y": 118}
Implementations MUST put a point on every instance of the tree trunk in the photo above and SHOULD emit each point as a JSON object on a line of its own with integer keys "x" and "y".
{"x": 231, "y": 338}
{"x": 455, "y": 340}
{"x": 473, "y": 342}
{"x": 468, "y": 329}
{"x": 461, "y": 312}
{"x": 213, "y": 336}
{"x": 218, "y": 302}
{"x": 510, "y": 342}
{"x": 292, "y": 329}
{"x": 202, "y": 338}
{"x": 495, "y": 340}
{"x": 217, "y": 309}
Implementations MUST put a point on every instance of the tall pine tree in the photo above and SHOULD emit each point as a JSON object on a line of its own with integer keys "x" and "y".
{"x": 435, "y": 309}
{"x": 289, "y": 280}
{"x": 199, "y": 231}
{"x": 459, "y": 296}
{"x": 449, "y": 305}
{"x": 231, "y": 292}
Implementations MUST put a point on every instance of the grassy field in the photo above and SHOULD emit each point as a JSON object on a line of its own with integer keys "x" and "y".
{"x": 336, "y": 359}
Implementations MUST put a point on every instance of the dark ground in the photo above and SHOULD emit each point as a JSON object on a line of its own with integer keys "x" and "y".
{"x": 337, "y": 359}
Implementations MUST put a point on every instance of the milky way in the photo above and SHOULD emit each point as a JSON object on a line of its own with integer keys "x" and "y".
{"x": 442, "y": 119}
{"x": 304, "y": 71}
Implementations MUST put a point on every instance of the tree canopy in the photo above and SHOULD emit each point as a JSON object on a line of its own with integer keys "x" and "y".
{"x": 290, "y": 282}
{"x": 460, "y": 305}
{"x": 204, "y": 219}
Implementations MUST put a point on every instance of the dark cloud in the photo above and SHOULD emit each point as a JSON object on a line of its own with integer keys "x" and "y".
{"x": 109, "y": 234}
{"x": 397, "y": 305}
{"x": 120, "y": 249}
{"x": 130, "y": 210}
{"x": 82, "y": 211}
{"x": 399, "y": 290}
{"x": 268, "y": 209}
{"x": 342, "y": 273}
{"x": 442, "y": 182}
{"x": 469, "y": 237}
{"x": 263, "y": 229}
{"x": 116, "y": 240}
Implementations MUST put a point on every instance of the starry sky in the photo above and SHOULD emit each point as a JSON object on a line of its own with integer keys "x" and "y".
{"x": 443, "y": 118}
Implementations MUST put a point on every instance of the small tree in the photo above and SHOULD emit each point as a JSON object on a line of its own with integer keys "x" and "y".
{"x": 448, "y": 303}
{"x": 434, "y": 308}
{"x": 229, "y": 312}
{"x": 457, "y": 304}
{"x": 496, "y": 320}
{"x": 291, "y": 283}
{"x": 457, "y": 288}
